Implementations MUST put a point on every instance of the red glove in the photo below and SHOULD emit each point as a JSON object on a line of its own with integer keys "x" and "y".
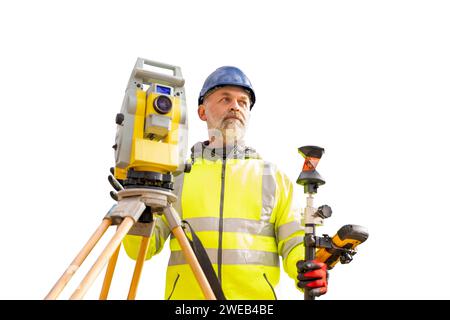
{"x": 313, "y": 274}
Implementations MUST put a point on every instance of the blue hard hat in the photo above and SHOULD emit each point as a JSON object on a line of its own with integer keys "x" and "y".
{"x": 227, "y": 76}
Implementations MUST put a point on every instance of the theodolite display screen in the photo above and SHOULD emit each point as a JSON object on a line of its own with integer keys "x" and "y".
{"x": 163, "y": 90}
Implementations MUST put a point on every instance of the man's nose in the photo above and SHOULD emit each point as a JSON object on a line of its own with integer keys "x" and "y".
{"x": 234, "y": 106}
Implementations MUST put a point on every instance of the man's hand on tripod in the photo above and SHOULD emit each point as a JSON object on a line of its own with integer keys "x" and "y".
{"x": 313, "y": 275}
{"x": 116, "y": 184}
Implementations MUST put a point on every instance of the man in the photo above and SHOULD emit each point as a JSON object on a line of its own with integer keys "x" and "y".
{"x": 239, "y": 206}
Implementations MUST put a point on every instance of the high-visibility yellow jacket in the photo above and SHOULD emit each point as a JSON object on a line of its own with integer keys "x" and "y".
{"x": 241, "y": 209}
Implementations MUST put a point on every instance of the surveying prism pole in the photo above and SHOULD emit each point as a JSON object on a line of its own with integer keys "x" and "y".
{"x": 310, "y": 179}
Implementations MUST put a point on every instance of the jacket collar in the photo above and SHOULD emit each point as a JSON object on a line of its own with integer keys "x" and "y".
{"x": 203, "y": 151}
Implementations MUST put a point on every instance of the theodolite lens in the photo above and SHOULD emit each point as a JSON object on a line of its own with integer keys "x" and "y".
{"x": 162, "y": 104}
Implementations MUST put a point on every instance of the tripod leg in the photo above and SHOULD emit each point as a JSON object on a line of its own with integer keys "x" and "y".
{"x": 76, "y": 263}
{"x": 175, "y": 226}
{"x": 145, "y": 243}
{"x": 93, "y": 273}
{"x": 193, "y": 262}
{"x": 109, "y": 274}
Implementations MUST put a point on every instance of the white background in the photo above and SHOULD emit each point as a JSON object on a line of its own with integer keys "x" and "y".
{"x": 366, "y": 80}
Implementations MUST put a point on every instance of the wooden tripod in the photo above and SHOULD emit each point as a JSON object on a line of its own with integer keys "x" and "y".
{"x": 131, "y": 204}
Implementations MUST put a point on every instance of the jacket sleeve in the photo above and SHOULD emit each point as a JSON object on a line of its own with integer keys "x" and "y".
{"x": 161, "y": 232}
{"x": 288, "y": 230}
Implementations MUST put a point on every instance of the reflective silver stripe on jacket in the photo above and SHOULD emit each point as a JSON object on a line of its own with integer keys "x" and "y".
{"x": 232, "y": 257}
{"x": 289, "y": 245}
{"x": 233, "y": 225}
{"x": 269, "y": 188}
{"x": 287, "y": 229}
{"x": 249, "y": 226}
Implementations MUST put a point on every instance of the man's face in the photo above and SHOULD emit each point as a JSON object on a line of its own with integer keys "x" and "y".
{"x": 226, "y": 111}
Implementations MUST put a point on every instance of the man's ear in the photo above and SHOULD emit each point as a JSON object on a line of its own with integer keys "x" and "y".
{"x": 201, "y": 112}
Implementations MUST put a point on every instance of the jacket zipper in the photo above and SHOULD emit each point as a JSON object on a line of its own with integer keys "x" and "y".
{"x": 174, "y": 284}
{"x": 273, "y": 290}
{"x": 222, "y": 195}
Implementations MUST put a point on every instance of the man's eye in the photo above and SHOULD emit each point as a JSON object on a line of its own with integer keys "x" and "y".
{"x": 243, "y": 104}
{"x": 226, "y": 100}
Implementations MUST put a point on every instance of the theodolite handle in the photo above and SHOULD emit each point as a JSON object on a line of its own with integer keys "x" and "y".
{"x": 148, "y": 76}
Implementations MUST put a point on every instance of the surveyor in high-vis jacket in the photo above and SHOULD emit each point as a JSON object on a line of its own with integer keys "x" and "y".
{"x": 240, "y": 206}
